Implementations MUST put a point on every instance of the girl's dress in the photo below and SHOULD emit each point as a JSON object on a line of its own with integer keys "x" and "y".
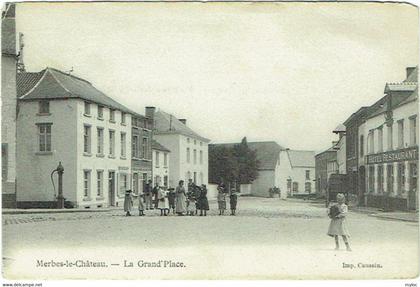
{"x": 221, "y": 200}
{"x": 181, "y": 205}
{"x": 191, "y": 201}
{"x": 163, "y": 199}
{"x": 128, "y": 202}
{"x": 203, "y": 201}
{"x": 141, "y": 202}
{"x": 233, "y": 200}
{"x": 338, "y": 224}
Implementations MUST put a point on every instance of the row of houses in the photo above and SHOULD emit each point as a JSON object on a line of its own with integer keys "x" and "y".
{"x": 377, "y": 150}
{"x": 105, "y": 148}
{"x": 291, "y": 171}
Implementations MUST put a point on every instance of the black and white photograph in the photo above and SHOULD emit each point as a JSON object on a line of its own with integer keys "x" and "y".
{"x": 189, "y": 140}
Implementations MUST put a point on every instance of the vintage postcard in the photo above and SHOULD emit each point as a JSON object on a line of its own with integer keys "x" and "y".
{"x": 209, "y": 140}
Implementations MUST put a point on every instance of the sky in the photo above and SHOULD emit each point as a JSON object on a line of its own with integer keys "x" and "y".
{"x": 287, "y": 72}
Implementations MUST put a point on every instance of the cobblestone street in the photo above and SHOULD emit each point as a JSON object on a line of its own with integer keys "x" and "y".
{"x": 287, "y": 238}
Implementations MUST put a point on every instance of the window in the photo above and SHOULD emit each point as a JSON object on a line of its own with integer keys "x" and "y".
{"x": 99, "y": 182}
{"x": 112, "y": 115}
{"x": 201, "y": 178}
{"x": 123, "y": 145}
{"x": 136, "y": 183}
{"x": 165, "y": 159}
{"x": 195, "y": 178}
{"x": 308, "y": 174}
{"x": 401, "y": 177}
{"x": 135, "y": 149}
{"x": 195, "y": 156}
{"x": 188, "y": 154}
{"x": 389, "y": 140}
{"x": 308, "y": 187}
{"x": 86, "y": 139}
{"x": 44, "y": 107}
{"x": 44, "y": 132}
{"x": 188, "y": 175}
{"x": 201, "y": 143}
{"x": 201, "y": 157}
{"x": 380, "y": 172}
{"x": 157, "y": 158}
{"x": 188, "y": 140}
{"x": 145, "y": 149}
{"x": 400, "y": 133}
{"x": 87, "y": 108}
{"x": 122, "y": 118}
{"x": 413, "y": 131}
{"x": 380, "y": 140}
{"x": 100, "y": 133}
{"x": 390, "y": 178}
{"x": 195, "y": 142}
{"x": 86, "y": 183}
{"x": 371, "y": 142}
{"x": 165, "y": 180}
{"x": 100, "y": 112}
{"x": 362, "y": 151}
{"x": 112, "y": 143}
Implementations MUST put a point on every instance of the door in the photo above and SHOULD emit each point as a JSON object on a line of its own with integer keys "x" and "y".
{"x": 412, "y": 193}
{"x": 111, "y": 188}
{"x": 362, "y": 185}
{"x": 136, "y": 183}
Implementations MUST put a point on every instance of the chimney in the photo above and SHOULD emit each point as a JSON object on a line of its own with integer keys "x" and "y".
{"x": 409, "y": 70}
{"x": 150, "y": 112}
{"x": 184, "y": 121}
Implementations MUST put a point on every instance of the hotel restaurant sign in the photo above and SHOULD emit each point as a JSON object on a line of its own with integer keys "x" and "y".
{"x": 393, "y": 156}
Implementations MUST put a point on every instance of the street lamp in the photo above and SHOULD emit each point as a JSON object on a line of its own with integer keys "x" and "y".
{"x": 60, "y": 197}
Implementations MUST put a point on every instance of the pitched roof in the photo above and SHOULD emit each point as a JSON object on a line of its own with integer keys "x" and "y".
{"x": 330, "y": 149}
{"x": 301, "y": 158}
{"x": 400, "y": 87}
{"x": 158, "y": 146}
{"x": 8, "y": 31}
{"x": 54, "y": 84}
{"x": 166, "y": 124}
{"x": 340, "y": 129}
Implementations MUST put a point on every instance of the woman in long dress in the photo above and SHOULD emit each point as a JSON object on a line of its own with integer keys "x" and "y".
{"x": 128, "y": 203}
{"x": 203, "y": 201}
{"x": 338, "y": 226}
{"x": 180, "y": 198}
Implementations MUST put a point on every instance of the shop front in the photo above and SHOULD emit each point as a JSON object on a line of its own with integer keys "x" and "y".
{"x": 392, "y": 179}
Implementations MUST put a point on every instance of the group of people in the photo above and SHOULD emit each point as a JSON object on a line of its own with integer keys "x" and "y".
{"x": 181, "y": 201}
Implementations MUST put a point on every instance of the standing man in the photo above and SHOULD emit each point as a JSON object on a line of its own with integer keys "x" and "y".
{"x": 155, "y": 195}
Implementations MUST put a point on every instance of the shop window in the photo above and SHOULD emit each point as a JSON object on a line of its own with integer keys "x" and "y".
{"x": 390, "y": 178}
{"x": 308, "y": 187}
{"x": 371, "y": 180}
{"x": 380, "y": 178}
{"x": 401, "y": 177}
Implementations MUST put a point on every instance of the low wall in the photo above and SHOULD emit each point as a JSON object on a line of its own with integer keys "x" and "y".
{"x": 381, "y": 201}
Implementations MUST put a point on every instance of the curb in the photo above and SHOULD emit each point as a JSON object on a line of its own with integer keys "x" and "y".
{"x": 32, "y": 211}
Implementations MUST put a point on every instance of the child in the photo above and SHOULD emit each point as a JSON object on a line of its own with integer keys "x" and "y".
{"x": 221, "y": 199}
{"x": 233, "y": 201}
{"x": 163, "y": 201}
{"x": 171, "y": 199}
{"x": 203, "y": 201}
{"x": 141, "y": 204}
{"x": 128, "y": 202}
{"x": 191, "y": 201}
{"x": 338, "y": 227}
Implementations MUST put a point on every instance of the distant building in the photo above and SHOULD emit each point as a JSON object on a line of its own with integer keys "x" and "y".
{"x": 296, "y": 172}
{"x": 8, "y": 105}
{"x": 160, "y": 164}
{"x": 341, "y": 149}
{"x": 391, "y": 147}
{"x": 63, "y": 118}
{"x": 188, "y": 158}
{"x": 325, "y": 165}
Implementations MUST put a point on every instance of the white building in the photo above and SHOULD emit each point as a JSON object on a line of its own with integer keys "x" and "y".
{"x": 296, "y": 172}
{"x": 389, "y": 143}
{"x": 160, "y": 164}
{"x": 63, "y": 118}
{"x": 189, "y": 150}
{"x": 340, "y": 147}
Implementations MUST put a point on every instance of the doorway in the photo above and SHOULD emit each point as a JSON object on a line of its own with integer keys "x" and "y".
{"x": 111, "y": 188}
{"x": 412, "y": 193}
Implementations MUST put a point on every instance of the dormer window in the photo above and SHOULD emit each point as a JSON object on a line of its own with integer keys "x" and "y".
{"x": 44, "y": 107}
{"x": 87, "y": 109}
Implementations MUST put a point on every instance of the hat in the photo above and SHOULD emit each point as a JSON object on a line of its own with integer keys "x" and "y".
{"x": 340, "y": 197}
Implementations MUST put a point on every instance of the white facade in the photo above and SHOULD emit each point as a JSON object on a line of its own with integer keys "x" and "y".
{"x": 341, "y": 155}
{"x": 95, "y": 174}
{"x": 295, "y": 180}
{"x": 393, "y": 177}
{"x": 160, "y": 162}
{"x": 188, "y": 158}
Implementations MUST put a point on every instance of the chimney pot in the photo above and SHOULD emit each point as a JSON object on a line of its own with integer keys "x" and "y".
{"x": 150, "y": 112}
{"x": 409, "y": 70}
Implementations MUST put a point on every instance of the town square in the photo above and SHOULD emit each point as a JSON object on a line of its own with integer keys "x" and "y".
{"x": 202, "y": 141}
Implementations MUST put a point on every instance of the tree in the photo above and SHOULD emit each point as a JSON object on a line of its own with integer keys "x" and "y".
{"x": 233, "y": 163}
